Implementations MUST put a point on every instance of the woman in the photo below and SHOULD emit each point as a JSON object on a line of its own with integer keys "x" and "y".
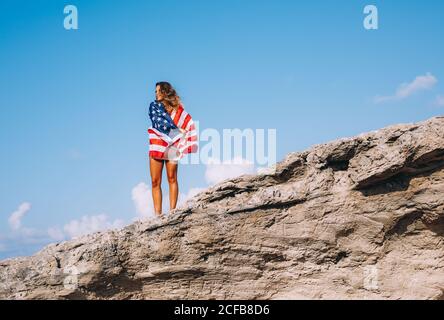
{"x": 172, "y": 135}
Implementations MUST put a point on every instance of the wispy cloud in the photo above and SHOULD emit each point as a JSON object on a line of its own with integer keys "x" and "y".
{"x": 22, "y": 240}
{"x": 83, "y": 226}
{"x": 217, "y": 171}
{"x": 89, "y": 224}
{"x": 191, "y": 193}
{"x": 143, "y": 200}
{"x": 56, "y": 234}
{"x": 439, "y": 101}
{"x": 15, "y": 219}
{"x": 405, "y": 90}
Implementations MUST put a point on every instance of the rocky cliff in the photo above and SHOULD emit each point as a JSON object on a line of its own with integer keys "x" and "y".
{"x": 360, "y": 217}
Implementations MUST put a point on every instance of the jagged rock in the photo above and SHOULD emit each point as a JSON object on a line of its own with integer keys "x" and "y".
{"x": 357, "y": 218}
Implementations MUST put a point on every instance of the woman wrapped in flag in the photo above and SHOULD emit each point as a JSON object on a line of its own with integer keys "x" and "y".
{"x": 172, "y": 136}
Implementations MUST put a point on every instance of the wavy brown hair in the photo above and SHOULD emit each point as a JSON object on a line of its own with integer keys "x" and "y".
{"x": 171, "y": 99}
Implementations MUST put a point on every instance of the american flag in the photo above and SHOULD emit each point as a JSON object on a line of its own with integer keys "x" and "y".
{"x": 171, "y": 136}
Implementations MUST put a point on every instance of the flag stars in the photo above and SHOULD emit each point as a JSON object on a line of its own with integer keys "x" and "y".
{"x": 161, "y": 120}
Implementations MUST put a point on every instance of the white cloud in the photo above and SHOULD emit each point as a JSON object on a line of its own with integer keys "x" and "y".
{"x": 22, "y": 233}
{"x": 56, "y": 234}
{"x": 25, "y": 241}
{"x": 183, "y": 197}
{"x": 22, "y": 236}
{"x": 89, "y": 224}
{"x": 266, "y": 170}
{"x": 75, "y": 228}
{"x": 192, "y": 192}
{"x": 143, "y": 201}
{"x": 439, "y": 101}
{"x": 15, "y": 219}
{"x": 218, "y": 171}
{"x": 405, "y": 90}
{"x": 22, "y": 242}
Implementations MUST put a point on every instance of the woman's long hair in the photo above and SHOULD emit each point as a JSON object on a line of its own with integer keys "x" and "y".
{"x": 171, "y": 99}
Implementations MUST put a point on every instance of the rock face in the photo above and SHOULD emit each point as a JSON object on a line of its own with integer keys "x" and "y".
{"x": 357, "y": 218}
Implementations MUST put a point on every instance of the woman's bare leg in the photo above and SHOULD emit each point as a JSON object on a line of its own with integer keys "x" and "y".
{"x": 171, "y": 168}
{"x": 156, "y": 167}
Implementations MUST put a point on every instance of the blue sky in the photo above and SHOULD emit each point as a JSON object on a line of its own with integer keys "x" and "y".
{"x": 73, "y": 103}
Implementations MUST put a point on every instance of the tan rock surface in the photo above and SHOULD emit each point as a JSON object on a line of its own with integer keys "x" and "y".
{"x": 357, "y": 218}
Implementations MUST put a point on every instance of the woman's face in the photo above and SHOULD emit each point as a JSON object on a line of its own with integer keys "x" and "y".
{"x": 159, "y": 95}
